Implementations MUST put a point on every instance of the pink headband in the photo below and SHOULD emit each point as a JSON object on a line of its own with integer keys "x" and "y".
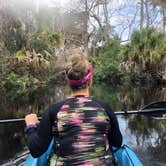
{"x": 84, "y": 80}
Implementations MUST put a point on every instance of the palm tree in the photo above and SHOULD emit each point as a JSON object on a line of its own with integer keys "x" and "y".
{"x": 146, "y": 51}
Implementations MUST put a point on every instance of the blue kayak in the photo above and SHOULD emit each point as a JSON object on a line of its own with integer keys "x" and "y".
{"x": 40, "y": 161}
{"x": 124, "y": 156}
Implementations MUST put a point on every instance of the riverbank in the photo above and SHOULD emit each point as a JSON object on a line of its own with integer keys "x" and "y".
{"x": 15, "y": 86}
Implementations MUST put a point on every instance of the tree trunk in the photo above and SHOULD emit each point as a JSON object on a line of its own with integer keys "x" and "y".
{"x": 142, "y": 14}
{"x": 147, "y": 14}
{"x": 106, "y": 27}
{"x": 85, "y": 32}
{"x": 164, "y": 18}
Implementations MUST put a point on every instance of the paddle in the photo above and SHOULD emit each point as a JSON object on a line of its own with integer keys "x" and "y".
{"x": 158, "y": 115}
{"x": 155, "y": 109}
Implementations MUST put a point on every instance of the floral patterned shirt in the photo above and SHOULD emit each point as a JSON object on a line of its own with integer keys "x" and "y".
{"x": 83, "y": 127}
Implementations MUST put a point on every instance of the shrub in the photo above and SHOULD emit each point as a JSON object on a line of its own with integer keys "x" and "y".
{"x": 106, "y": 64}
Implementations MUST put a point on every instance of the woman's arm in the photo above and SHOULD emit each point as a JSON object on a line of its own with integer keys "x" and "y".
{"x": 114, "y": 134}
{"x": 38, "y": 136}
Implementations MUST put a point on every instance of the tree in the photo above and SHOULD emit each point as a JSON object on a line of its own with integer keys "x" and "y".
{"x": 95, "y": 21}
{"x": 162, "y": 5}
{"x": 146, "y": 52}
{"x": 147, "y": 13}
{"x": 13, "y": 34}
{"x": 142, "y": 14}
{"x": 107, "y": 62}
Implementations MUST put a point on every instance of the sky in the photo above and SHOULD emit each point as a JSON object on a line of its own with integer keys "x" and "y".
{"x": 123, "y": 12}
{"x": 116, "y": 20}
{"x": 51, "y": 3}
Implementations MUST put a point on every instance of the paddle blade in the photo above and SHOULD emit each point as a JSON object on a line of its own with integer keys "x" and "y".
{"x": 157, "y": 105}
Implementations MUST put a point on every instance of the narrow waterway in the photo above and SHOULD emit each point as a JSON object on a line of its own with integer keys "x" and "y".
{"x": 146, "y": 135}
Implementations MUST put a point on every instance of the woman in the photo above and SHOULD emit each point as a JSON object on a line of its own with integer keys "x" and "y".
{"x": 83, "y": 127}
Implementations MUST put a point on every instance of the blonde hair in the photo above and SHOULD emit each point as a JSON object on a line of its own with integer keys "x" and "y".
{"x": 78, "y": 67}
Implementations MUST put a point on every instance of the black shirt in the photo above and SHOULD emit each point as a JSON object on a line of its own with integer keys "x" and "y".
{"x": 83, "y": 128}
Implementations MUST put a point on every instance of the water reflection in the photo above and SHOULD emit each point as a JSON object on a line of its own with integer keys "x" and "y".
{"x": 126, "y": 98}
{"x": 34, "y": 102}
{"x": 11, "y": 140}
{"x": 150, "y": 134}
{"x": 146, "y": 135}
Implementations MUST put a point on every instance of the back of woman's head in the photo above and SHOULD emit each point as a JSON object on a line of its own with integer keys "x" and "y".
{"x": 79, "y": 71}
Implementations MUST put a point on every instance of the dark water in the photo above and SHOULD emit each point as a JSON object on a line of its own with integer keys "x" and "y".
{"x": 147, "y": 136}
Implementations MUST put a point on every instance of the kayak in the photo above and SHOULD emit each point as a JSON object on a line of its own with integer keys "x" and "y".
{"x": 40, "y": 161}
{"x": 124, "y": 156}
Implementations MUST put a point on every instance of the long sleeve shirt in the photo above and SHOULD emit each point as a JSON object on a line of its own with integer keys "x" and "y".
{"x": 83, "y": 127}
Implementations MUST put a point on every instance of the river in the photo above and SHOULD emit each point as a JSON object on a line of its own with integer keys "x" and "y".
{"x": 146, "y": 135}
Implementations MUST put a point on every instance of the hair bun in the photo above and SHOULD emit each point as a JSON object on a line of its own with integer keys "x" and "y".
{"x": 78, "y": 67}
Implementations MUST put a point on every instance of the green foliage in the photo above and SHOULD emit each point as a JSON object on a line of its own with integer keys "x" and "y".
{"x": 44, "y": 43}
{"x": 20, "y": 56}
{"x": 107, "y": 62}
{"x": 146, "y": 51}
{"x": 13, "y": 34}
{"x": 16, "y": 85}
{"x": 27, "y": 65}
{"x": 54, "y": 39}
{"x": 36, "y": 42}
{"x": 24, "y": 60}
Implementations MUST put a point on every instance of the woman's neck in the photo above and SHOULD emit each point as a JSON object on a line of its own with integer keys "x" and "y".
{"x": 84, "y": 92}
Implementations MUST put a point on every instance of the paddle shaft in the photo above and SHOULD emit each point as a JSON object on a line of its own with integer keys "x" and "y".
{"x": 3, "y": 121}
{"x": 144, "y": 112}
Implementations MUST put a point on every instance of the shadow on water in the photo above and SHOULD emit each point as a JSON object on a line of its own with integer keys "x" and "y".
{"x": 12, "y": 140}
{"x": 145, "y": 135}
